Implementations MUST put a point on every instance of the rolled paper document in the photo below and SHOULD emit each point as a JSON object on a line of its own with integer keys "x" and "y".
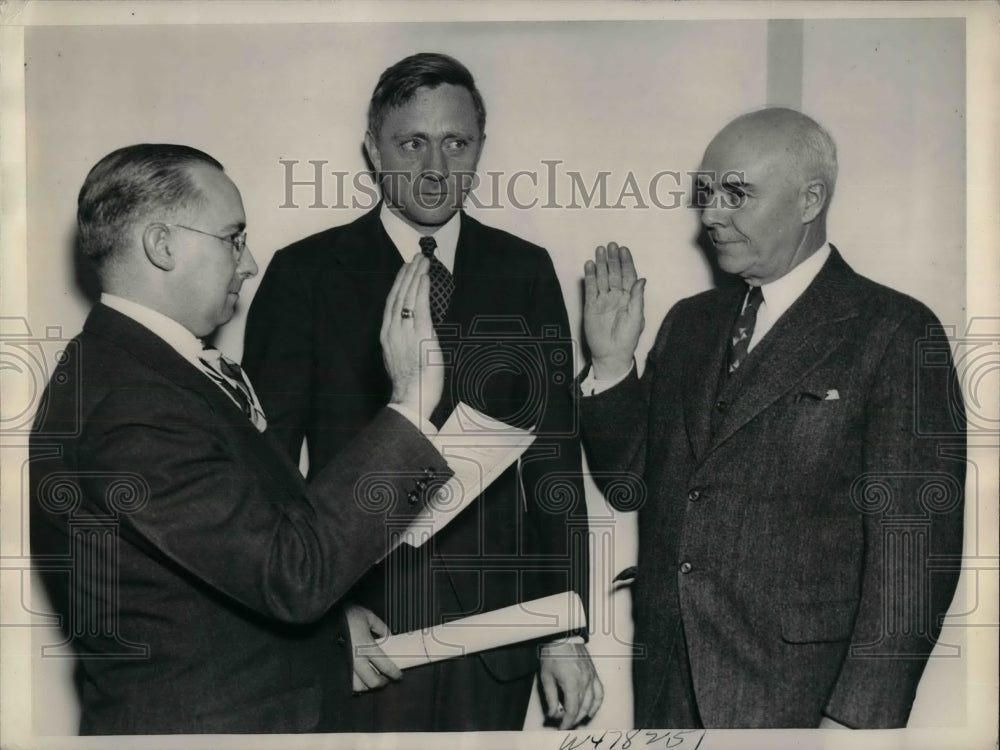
{"x": 539, "y": 618}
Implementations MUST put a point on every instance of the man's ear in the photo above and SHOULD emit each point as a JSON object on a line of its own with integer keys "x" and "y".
{"x": 156, "y": 244}
{"x": 371, "y": 148}
{"x": 813, "y": 200}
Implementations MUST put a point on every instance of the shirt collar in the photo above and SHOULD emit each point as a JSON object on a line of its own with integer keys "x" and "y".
{"x": 407, "y": 239}
{"x": 177, "y": 336}
{"x": 781, "y": 294}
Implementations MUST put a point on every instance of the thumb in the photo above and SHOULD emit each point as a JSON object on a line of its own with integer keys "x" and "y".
{"x": 636, "y": 296}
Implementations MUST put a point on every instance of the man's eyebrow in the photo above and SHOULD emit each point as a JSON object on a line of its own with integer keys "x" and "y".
{"x": 236, "y": 226}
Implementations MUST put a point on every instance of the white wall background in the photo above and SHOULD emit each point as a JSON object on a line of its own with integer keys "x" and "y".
{"x": 618, "y": 97}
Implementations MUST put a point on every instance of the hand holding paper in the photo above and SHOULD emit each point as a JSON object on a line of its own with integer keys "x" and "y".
{"x": 539, "y": 618}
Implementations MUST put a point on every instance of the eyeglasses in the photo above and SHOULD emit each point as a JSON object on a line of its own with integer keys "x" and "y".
{"x": 238, "y": 240}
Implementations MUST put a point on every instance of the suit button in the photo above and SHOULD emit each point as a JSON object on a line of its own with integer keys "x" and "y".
{"x": 694, "y": 496}
{"x": 686, "y": 567}
{"x": 412, "y": 497}
{"x": 721, "y": 406}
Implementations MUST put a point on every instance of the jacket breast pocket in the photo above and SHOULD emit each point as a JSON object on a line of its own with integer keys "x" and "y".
{"x": 818, "y": 622}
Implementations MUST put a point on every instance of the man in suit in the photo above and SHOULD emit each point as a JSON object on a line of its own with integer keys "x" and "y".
{"x": 312, "y": 349}
{"x": 803, "y": 469}
{"x": 190, "y": 564}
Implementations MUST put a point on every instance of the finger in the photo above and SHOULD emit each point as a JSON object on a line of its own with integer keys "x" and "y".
{"x": 585, "y": 704}
{"x": 356, "y": 684}
{"x": 628, "y": 267}
{"x": 551, "y": 695}
{"x": 571, "y": 702}
{"x": 598, "y": 696}
{"x": 376, "y": 625}
{"x": 601, "y": 263}
{"x": 614, "y": 267}
{"x": 370, "y": 676}
{"x": 385, "y": 665}
{"x": 586, "y": 695}
{"x": 422, "y": 304}
{"x": 417, "y": 272}
{"x": 390, "y": 312}
{"x": 589, "y": 281}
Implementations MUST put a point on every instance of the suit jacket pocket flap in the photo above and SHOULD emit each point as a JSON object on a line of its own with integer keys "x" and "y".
{"x": 818, "y": 622}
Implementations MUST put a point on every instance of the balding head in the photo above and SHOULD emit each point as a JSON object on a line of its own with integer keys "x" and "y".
{"x": 800, "y": 142}
{"x": 764, "y": 189}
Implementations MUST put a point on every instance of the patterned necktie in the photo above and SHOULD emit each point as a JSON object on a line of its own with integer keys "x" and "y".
{"x": 229, "y": 376}
{"x": 442, "y": 282}
{"x": 739, "y": 340}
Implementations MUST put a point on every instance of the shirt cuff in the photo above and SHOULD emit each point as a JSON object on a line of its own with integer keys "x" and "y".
{"x": 592, "y": 386}
{"x": 424, "y": 425}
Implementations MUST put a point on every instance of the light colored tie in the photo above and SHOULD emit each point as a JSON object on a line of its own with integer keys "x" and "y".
{"x": 229, "y": 376}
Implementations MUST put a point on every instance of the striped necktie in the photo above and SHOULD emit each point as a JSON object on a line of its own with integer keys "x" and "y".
{"x": 442, "y": 282}
{"x": 739, "y": 340}
{"x": 229, "y": 376}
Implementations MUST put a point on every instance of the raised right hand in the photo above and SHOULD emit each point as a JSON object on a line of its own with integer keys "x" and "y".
{"x": 415, "y": 386}
{"x": 612, "y": 310}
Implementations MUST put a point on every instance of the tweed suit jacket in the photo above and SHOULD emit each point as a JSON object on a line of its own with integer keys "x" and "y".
{"x": 312, "y": 349}
{"x": 791, "y": 518}
{"x": 189, "y": 563}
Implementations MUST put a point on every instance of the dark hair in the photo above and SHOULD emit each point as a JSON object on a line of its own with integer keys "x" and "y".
{"x": 128, "y": 184}
{"x": 399, "y": 83}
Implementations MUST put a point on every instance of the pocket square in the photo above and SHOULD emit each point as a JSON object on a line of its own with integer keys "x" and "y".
{"x": 832, "y": 395}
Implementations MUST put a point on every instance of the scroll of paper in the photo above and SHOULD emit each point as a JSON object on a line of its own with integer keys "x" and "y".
{"x": 478, "y": 449}
{"x": 540, "y": 618}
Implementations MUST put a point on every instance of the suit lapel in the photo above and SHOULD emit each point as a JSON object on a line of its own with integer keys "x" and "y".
{"x": 801, "y": 339}
{"x": 702, "y": 376}
{"x": 364, "y": 272}
{"x": 156, "y": 354}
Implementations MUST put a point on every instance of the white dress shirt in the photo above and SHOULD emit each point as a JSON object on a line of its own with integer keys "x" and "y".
{"x": 407, "y": 239}
{"x": 779, "y": 295}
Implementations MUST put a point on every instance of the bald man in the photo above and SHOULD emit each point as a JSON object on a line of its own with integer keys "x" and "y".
{"x": 803, "y": 458}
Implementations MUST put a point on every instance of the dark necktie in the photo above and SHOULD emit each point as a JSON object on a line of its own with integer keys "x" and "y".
{"x": 739, "y": 340}
{"x": 228, "y": 375}
{"x": 442, "y": 282}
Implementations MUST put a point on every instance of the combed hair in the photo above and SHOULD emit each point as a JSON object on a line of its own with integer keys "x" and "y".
{"x": 399, "y": 83}
{"x": 128, "y": 185}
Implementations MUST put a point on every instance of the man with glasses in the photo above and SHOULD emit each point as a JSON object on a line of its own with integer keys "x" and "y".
{"x": 200, "y": 564}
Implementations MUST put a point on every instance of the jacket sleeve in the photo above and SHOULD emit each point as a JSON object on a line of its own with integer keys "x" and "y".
{"x": 279, "y": 348}
{"x": 911, "y": 498}
{"x": 210, "y": 507}
{"x": 615, "y": 424}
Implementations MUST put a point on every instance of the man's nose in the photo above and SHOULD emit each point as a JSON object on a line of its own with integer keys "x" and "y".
{"x": 713, "y": 213}
{"x": 247, "y": 267}
{"x": 436, "y": 163}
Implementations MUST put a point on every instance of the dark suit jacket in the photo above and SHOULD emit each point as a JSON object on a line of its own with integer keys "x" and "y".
{"x": 189, "y": 562}
{"x": 790, "y": 533}
{"x": 312, "y": 350}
